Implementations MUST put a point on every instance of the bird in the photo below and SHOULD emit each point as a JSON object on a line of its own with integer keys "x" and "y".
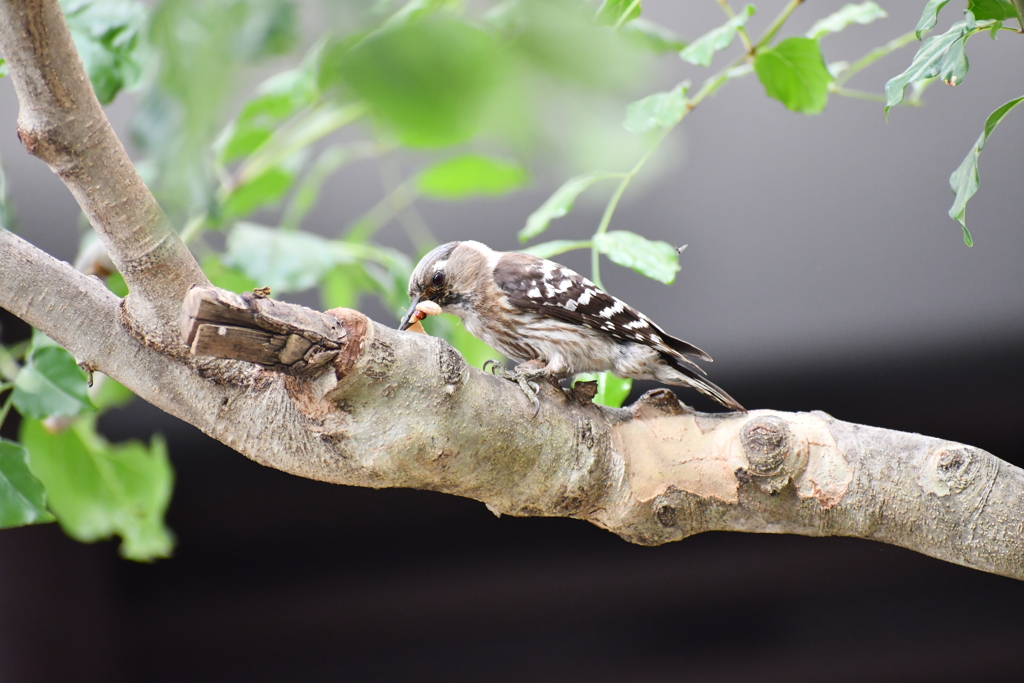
{"x": 533, "y": 309}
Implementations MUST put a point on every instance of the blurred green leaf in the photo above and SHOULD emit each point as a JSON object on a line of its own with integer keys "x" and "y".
{"x": 999, "y": 10}
{"x": 116, "y": 284}
{"x": 265, "y": 189}
{"x": 660, "y": 110}
{"x": 470, "y": 175}
{"x": 284, "y": 261}
{"x": 51, "y": 385}
{"x": 556, "y": 247}
{"x": 702, "y": 50}
{"x": 107, "y": 36}
{"x": 655, "y": 259}
{"x": 965, "y": 179}
{"x": 560, "y": 203}
{"x": 225, "y": 277}
{"x": 3, "y": 67}
{"x": 941, "y": 54}
{"x": 200, "y": 48}
{"x": 308, "y": 191}
{"x": 107, "y": 393}
{"x": 794, "y": 73}
{"x": 294, "y": 261}
{"x": 22, "y": 496}
{"x": 863, "y": 13}
{"x": 618, "y": 12}
{"x": 288, "y": 145}
{"x": 342, "y": 285}
{"x": 97, "y": 489}
{"x": 930, "y": 16}
{"x": 429, "y": 80}
{"x": 654, "y": 37}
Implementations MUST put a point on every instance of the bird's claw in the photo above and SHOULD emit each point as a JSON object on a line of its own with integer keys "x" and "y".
{"x": 524, "y": 378}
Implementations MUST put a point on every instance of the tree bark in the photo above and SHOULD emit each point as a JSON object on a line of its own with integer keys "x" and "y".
{"x": 339, "y": 398}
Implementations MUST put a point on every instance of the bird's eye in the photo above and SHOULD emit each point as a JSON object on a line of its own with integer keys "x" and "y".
{"x": 438, "y": 279}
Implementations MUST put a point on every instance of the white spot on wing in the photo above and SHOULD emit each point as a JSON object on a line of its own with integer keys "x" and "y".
{"x": 612, "y": 310}
{"x": 566, "y": 284}
{"x": 533, "y": 293}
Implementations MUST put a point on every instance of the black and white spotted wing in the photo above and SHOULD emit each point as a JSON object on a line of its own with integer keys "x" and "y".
{"x": 546, "y": 287}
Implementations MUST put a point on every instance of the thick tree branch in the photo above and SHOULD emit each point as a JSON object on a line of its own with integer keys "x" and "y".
{"x": 61, "y": 122}
{"x": 366, "y": 405}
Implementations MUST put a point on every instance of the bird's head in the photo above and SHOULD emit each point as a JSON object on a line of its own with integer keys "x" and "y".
{"x": 448, "y": 275}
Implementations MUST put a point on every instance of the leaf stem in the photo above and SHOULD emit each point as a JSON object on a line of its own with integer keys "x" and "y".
{"x": 613, "y": 202}
{"x": 741, "y": 30}
{"x": 625, "y": 15}
{"x": 6, "y": 408}
{"x": 858, "y": 94}
{"x": 873, "y": 56}
{"x": 194, "y": 228}
{"x": 777, "y": 24}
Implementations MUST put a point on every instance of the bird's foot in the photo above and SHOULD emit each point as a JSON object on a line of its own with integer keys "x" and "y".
{"x": 524, "y": 377}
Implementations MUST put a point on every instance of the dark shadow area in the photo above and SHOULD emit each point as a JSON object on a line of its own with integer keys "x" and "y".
{"x": 279, "y": 578}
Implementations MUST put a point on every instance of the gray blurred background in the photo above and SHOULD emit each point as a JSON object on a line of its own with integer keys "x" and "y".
{"x": 822, "y": 273}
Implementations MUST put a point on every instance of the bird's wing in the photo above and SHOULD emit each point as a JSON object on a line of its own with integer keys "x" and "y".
{"x": 551, "y": 289}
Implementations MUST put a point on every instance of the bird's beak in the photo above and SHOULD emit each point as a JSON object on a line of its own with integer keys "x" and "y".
{"x": 408, "y": 319}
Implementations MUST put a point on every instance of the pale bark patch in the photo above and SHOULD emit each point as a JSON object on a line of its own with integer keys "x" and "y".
{"x": 666, "y": 451}
{"x": 827, "y": 474}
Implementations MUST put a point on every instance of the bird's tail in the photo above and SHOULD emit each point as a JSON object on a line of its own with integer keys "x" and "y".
{"x": 682, "y": 373}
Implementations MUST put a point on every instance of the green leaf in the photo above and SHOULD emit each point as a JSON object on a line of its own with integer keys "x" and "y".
{"x": 965, "y": 179}
{"x": 294, "y": 261}
{"x": 108, "y": 393}
{"x": 3, "y": 67}
{"x": 794, "y": 73}
{"x": 97, "y": 489}
{"x": 560, "y": 203}
{"x": 941, "y": 54}
{"x": 308, "y": 191}
{"x": 954, "y": 64}
{"x": 22, "y": 496}
{"x": 342, "y": 285}
{"x": 864, "y": 13}
{"x": 999, "y": 10}
{"x": 660, "y": 110}
{"x": 107, "y": 36}
{"x": 702, "y": 50}
{"x": 612, "y": 391}
{"x": 429, "y": 80}
{"x": 930, "y": 16}
{"x": 278, "y": 99}
{"x": 267, "y": 188}
{"x": 470, "y": 175}
{"x": 225, "y": 277}
{"x": 654, "y": 37}
{"x": 51, "y": 385}
{"x": 556, "y": 247}
{"x": 116, "y": 284}
{"x": 618, "y": 12}
{"x": 285, "y": 261}
{"x": 655, "y": 259}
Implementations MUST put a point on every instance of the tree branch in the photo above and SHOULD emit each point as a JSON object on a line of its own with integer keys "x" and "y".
{"x": 61, "y": 122}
